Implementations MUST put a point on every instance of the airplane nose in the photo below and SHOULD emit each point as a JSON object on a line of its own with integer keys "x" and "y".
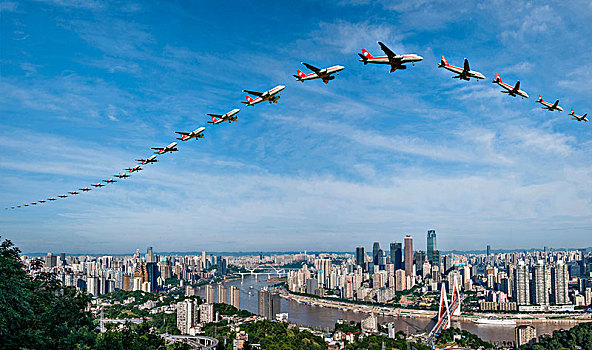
{"x": 419, "y": 58}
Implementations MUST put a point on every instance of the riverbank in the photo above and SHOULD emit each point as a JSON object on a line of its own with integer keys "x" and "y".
{"x": 551, "y": 319}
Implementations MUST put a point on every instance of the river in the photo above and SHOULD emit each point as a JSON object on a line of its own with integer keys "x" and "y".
{"x": 325, "y": 318}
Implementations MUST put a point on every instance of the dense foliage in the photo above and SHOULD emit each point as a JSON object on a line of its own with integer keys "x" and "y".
{"x": 376, "y": 342}
{"x": 278, "y": 335}
{"x": 467, "y": 339}
{"x": 578, "y": 337}
{"x": 38, "y": 312}
{"x": 229, "y": 310}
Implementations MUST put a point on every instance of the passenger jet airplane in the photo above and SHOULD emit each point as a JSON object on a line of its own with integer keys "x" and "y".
{"x": 195, "y": 134}
{"x": 512, "y": 91}
{"x": 85, "y": 189}
{"x": 41, "y": 201}
{"x": 550, "y": 107}
{"x": 151, "y": 159}
{"x": 323, "y": 74}
{"x": 229, "y": 116}
{"x": 170, "y": 148}
{"x": 578, "y": 117}
{"x": 51, "y": 199}
{"x": 392, "y": 59}
{"x": 134, "y": 169}
{"x": 109, "y": 181}
{"x": 269, "y": 95}
{"x": 73, "y": 192}
{"x": 62, "y": 196}
{"x": 98, "y": 184}
{"x": 122, "y": 176}
{"x": 462, "y": 73}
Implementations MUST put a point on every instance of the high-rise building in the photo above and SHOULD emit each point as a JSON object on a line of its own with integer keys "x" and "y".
{"x": 419, "y": 257}
{"x": 324, "y": 267}
{"x": 525, "y": 334}
{"x": 152, "y": 270}
{"x": 522, "y": 284}
{"x": 210, "y": 294}
{"x": 488, "y": 250}
{"x": 221, "y": 269}
{"x": 51, "y": 260}
{"x": 540, "y": 284}
{"x": 187, "y": 315}
{"x": 233, "y": 296}
{"x": 375, "y": 252}
{"x": 431, "y": 245}
{"x": 268, "y": 304}
{"x": 408, "y": 255}
{"x": 436, "y": 258}
{"x": 150, "y": 257}
{"x": 396, "y": 254}
{"x": 221, "y": 291}
{"x": 559, "y": 283}
{"x": 206, "y": 313}
{"x": 360, "y": 256}
{"x": 400, "y": 280}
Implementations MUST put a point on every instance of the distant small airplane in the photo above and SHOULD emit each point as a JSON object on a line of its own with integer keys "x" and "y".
{"x": 228, "y": 116}
{"x": 109, "y": 181}
{"x": 512, "y": 91}
{"x": 151, "y": 159}
{"x": 195, "y": 134}
{"x": 462, "y": 73}
{"x": 98, "y": 184}
{"x": 391, "y": 58}
{"x": 134, "y": 169}
{"x": 578, "y": 117}
{"x": 62, "y": 196}
{"x": 26, "y": 205}
{"x": 169, "y": 148}
{"x": 85, "y": 189}
{"x": 323, "y": 74}
{"x": 41, "y": 201}
{"x": 18, "y": 206}
{"x": 34, "y": 203}
{"x": 51, "y": 199}
{"x": 73, "y": 192}
{"x": 270, "y": 95}
{"x": 550, "y": 107}
{"x": 122, "y": 176}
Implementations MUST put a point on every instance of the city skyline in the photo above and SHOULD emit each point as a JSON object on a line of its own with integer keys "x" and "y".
{"x": 90, "y": 86}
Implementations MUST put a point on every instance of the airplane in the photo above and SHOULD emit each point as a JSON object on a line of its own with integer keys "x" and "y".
{"x": 169, "y": 148}
{"x": 85, "y": 189}
{"x": 41, "y": 201}
{"x": 51, "y": 199}
{"x": 195, "y": 134}
{"x": 26, "y": 205}
{"x": 62, "y": 196}
{"x": 219, "y": 118}
{"x": 134, "y": 169}
{"x": 151, "y": 159}
{"x": 34, "y": 203}
{"x": 462, "y": 73}
{"x": 121, "y": 176}
{"x": 269, "y": 95}
{"x": 73, "y": 192}
{"x": 109, "y": 181}
{"x": 394, "y": 60}
{"x": 550, "y": 107}
{"x": 512, "y": 91}
{"x": 11, "y": 207}
{"x": 578, "y": 117}
{"x": 18, "y": 206}
{"x": 323, "y": 74}
{"x": 98, "y": 184}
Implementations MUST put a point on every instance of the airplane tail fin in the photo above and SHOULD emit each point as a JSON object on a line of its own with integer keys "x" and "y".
{"x": 249, "y": 99}
{"x": 540, "y": 99}
{"x": 214, "y": 119}
{"x": 300, "y": 73}
{"x": 366, "y": 54}
{"x": 572, "y": 112}
{"x": 443, "y": 61}
{"x": 498, "y": 79}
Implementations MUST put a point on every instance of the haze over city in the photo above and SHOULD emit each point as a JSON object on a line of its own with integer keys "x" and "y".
{"x": 87, "y": 87}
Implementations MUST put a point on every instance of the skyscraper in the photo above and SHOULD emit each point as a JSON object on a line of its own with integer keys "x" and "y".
{"x": 488, "y": 250}
{"x": 522, "y": 285}
{"x": 210, "y": 294}
{"x": 153, "y": 274}
{"x": 431, "y": 246}
{"x": 233, "y": 297}
{"x": 221, "y": 269}
{"x": 560, "y": 278}
{"x": 375, "y": 252}
{"x": 540, "y": 285}
{"x": 408, "y": 255}
{"x": 221, "y": 291}
{"x": 360, "y": 256}
{"x": 396, "y": 253}
{"x": 268, "y": 304}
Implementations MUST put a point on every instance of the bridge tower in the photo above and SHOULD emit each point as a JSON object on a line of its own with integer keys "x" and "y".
{"x": 456, "y": 297}
{"x": 444, "y": 309}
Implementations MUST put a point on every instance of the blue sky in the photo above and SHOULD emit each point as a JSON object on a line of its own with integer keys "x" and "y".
{"x": 89, "y": 86}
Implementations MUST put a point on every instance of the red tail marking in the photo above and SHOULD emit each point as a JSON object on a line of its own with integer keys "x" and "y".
{"x": 300, "y": 73}
{"x": 249, "y": 99}
{"x": 443, "y": 59}
{"x": 497, "y": 77}
{"x": 366, "y": 53}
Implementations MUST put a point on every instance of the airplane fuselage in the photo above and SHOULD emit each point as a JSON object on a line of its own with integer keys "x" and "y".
{"x": 510, "y": 89}
{"x": 269, "y": 95}
{"x": 550, "y": 106}
{"x": 460, "y": 71}
{"x": 323, "y": 74}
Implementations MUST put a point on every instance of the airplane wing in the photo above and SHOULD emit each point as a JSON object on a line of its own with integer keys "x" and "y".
{"x": 555, "y": 104}
{"x": 214, "y": 115}
{"x": 181, "y": 133}
{"x": 157, "y": 148}
{"x": 253, "y": 93}
{"x": 391, "y": 55}
{"x": 311, "y": 67}
{"x": 466, "y": 68}
{"x": 517, "y": 86}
